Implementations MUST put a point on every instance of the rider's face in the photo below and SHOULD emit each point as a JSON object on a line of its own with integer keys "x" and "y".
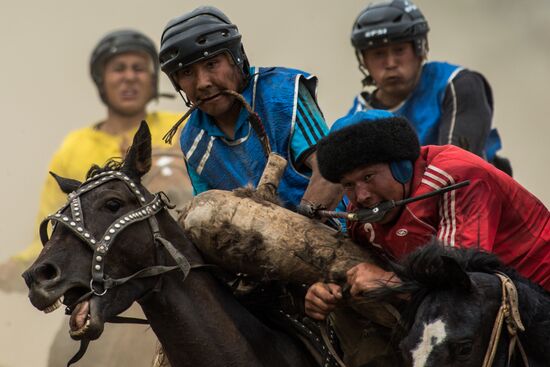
{"x": 369, "y": 185}
{"x": 394, "y": 68}
{"x": 204, "y": 80}
{"x": 128, "y": 82}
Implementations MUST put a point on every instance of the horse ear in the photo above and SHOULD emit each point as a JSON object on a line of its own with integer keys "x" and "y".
{"x": 67, "y": 185}
{"x": 138, "y": 159}
{"x": 457, "y": 275}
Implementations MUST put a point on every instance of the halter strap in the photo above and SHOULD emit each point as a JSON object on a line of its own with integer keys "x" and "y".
{"x": 509, "y": 312}
{"x": 99, "y": 283}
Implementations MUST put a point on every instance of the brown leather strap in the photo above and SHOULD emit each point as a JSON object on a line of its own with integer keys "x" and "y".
{"x": 323, "y": 327}
{"x": 509, "y": 312}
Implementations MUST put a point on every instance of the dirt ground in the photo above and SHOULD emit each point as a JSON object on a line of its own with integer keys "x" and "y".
{"x": 25, "y": 334}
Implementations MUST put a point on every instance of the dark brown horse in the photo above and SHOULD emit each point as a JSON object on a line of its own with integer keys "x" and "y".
{"x": 119, "y": 344}
{"x": 114, "y": 243}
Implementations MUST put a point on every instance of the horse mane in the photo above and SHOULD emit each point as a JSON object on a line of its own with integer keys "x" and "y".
{"x": 113, "y": 164}
{"x": 424, "y": 271}
{"x": 426, "y": 268}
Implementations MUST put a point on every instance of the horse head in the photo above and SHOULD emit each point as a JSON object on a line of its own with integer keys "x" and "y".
{"x": 104, "y": 244}
{"x": 453, "y": 318}
{"x": 462, "y": 302}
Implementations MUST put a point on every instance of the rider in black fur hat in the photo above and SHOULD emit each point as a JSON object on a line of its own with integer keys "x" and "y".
{"x": 369, "y": 137}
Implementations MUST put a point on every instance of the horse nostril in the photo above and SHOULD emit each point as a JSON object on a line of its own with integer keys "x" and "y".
{"x": 28, "y": 278}
{"x": 45, "y": 272}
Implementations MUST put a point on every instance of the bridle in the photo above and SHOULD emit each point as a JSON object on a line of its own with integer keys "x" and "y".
{"x": 509, "y": 312}
{"x": 99, "y": 282}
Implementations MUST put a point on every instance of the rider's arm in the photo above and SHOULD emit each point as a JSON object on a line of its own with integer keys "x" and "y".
{"x": 309, "y": 128}
{"x": 320, "y": 191}
{"x": 466, "y": 112}
{"x": 469, "y": 217}
{"x": 366, "y": 276}
{"x": 51, "y": 199}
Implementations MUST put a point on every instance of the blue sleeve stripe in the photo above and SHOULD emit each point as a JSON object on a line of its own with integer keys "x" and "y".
{"x": 305, "y": 121}
{"x": 310, "y": 107}
{"x": 303, "y": 132}
{"x": 198, "y": 184}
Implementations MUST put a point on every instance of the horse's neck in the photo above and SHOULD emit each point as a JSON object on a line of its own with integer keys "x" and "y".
{"x": 199, "y": 323}
{"x": 193, "y": 325}
{"x": 535, "y": 314}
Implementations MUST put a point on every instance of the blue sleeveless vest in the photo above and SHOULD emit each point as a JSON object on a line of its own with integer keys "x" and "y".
{"x": 423, "y": 107}
{"x": 228, "y": 164}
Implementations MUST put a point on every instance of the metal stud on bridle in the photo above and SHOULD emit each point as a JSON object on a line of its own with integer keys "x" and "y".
{"x": 99, "y": 284}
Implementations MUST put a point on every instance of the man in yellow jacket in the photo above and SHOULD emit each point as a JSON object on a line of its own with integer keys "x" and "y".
{"x": 124, "y": 67}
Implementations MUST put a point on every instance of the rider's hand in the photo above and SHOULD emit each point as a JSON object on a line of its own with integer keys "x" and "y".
{"x": 321, "y": 299}
{"x": 364, "y": 277}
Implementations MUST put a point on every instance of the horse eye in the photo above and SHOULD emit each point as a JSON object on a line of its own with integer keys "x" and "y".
{"x": 113, "y": 205}
{"x": 462, "y": 349}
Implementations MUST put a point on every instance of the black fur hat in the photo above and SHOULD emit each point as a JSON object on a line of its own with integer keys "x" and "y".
{"x": 366, "y": 138}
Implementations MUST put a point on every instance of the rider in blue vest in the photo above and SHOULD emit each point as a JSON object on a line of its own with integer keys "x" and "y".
{"x": 446, "y": 103}
{"x": 202, "y": 54}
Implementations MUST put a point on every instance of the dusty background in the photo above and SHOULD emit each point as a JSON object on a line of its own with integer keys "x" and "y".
{"x": 45, "y": 91}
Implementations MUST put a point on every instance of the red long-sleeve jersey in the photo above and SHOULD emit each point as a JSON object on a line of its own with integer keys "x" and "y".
{"x": 494, "y": 213}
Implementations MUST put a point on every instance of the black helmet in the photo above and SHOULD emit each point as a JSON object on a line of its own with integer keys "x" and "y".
{"x": 200, "y": 34}
{"x": 117, "y": 42}
{"x": 388, "y": 22}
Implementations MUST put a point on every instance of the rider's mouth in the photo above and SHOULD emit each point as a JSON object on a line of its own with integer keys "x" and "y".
{"x": 393, "y": 80}
{"x": 368, "y": 205}
{"x": 208, "y": 99}
{"x": 129, "y": 93}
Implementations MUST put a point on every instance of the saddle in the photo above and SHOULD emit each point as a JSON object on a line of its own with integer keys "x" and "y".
{"x": 309, "y": 333}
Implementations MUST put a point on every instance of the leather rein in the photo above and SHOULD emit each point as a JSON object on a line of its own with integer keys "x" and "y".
{"x": 509, "y": 313}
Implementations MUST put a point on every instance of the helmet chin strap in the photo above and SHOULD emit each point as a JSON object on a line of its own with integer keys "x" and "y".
{"x": 367, "y": 80}
{"x": 185, "y": 100}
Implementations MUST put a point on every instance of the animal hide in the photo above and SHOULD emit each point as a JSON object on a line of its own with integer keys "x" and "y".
{"x": 245, "y": 231}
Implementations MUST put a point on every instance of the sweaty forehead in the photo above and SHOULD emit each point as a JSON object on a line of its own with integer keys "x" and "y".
{"x": 359, "y": 173}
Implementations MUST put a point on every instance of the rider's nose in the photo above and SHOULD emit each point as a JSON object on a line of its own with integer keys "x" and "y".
{"x": 203, "y": 79}
{"x": 130, "y": 74}
{"x": 362, "y": 195}
{"x": 391, "y": 61}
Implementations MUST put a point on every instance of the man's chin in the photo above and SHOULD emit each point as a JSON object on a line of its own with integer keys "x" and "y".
{"x": 218, "y": 107}
{"x": 397, "y": 89}
{"x": 390, "y": 217}
{"x": 128, "y": 109}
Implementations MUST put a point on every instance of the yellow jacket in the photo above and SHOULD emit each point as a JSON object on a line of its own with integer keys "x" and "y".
{"x": 78, "y": 152}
